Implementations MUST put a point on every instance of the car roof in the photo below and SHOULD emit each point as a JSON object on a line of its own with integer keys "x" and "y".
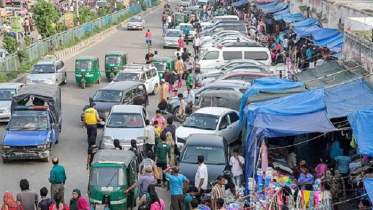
{"x": 88, "y": 57}
{"x": 246, "y": 73}
{"x": 241, "y": 44}
{"x": 229, "y": 83}
{"x": 47, "y": 61}
{"x": 114, "y": 52}
{"x": 123, "y": 85}
{"x": 9, "y": 85}
{"x": 207, "y": 93}
{"x": 173, "y": 30}
{"x": 126, "y": 109}
{"x": 209, "y": 140}
{"x": 217, "y": 111}
{"x": 136, "y": 17}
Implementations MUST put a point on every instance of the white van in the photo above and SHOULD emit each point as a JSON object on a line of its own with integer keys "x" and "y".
{"x": 213, "y": 57}
{"x": 219, "y": 18}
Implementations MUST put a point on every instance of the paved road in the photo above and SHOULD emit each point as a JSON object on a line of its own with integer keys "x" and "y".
{"x": 72, "y": 147}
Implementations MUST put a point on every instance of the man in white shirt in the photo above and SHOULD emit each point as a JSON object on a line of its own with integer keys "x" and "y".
{"x": 196, "y": 44}
{"x": 201, "y": 177}
{"x": 149, "y": 133}
{"x": 169, "y": 20}
{"x": 286, "y": 44}
{"x": 177, "y": 53}
{"x": 237, "y": 162}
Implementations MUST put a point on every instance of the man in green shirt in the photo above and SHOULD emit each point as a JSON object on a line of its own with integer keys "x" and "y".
{"x": 192, "y": 192}
{"x": 57, "y": 179}
{"x": 190, "y": 78}
{"x": 162, "y": 157}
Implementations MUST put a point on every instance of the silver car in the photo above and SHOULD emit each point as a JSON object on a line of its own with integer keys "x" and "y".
{"x": 7, "y": 91}
{"x": 125, "y": 122}
{"x": 171, "y": 38}
{"x": 136, "y": 23}
{"x": 51, "y": 72}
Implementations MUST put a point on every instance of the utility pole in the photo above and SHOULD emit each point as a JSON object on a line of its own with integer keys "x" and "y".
{"x": 77, "y": 10}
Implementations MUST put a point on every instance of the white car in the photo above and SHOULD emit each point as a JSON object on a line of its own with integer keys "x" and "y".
{"x": 51, "y": 72}
{"x": 7, "y": 91}
{"x": 171, "y": 38}
{"x": 136, "y": 22}
{"x": 210, "y": 120}
{"x": 135, "y": 72}
{"x": 221, "y": 34}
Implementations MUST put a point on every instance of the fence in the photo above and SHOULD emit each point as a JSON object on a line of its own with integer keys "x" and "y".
{"x": 41, "y": 48}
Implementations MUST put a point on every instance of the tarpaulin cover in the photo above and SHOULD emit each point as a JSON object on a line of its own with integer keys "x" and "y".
{"x": 284, "y": 12}
{"x": 361, "y": 124}
{"x": 325, "y": 33}
{"x": 265, "y": 1}
{"x": 268, "y": 84}
{"x": 269, "y": 95}
{"x": 239, "y": 3}
{"x": 305, "y": 31}
{"x": 278, "y": 7}
{"x": 368, "y": 184}
{"x": 266, "y": 5}
{"x": 306, "y": 22}
{"x": 335, "y": 43}
{"x": 324, "y": 42}
{"x": 293, "y": 18}
{"x": 281, "y": 16}
{"x": 347, "y": 98}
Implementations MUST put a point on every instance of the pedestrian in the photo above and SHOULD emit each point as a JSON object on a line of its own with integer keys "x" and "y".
{"x": 45, "y": 202}
{"x": 186, "y": 34}
{"x": 117, "y": 145}
{"x": 182, "y": 107}
{"x": 156, "y": 203}
{"x": 179, "y": 67}
{"x": 90, "y": 121}
{"x": 220, "y": 204}
{"x": 190, "y": 99}
{"x": 57, "y": 179}
{"x": 166, "y": 77}
{"x": 177, "y": 53}
{"x": 364, "y": 204}
{"x": 148, "y": 161}
{"x": 190, "y": 79}
{"x": 177, "y": 182}
{"x": 89, "y": 104}
{"x": 58, "y": 204}
{"x": 201, "y": 177}
{"x": 27, "y": 197}
{"x": 26, "y": 26}
{"x": 180, "y": 42}
{"x": 157, "y": 134}
{"x": 164, "y": 29}
{"x": 158, "y": 117}
{"x": 92, "y": 150}
{"x": 9, "y": 203}
{"x": 149, "y": 134}
{"x": 170, "y": 141}
{"x": 163, "y": 91}
{"x": 162, "y": 152}
{"x": 148, "y": 38}
{"x": 74, "y": 200}
{"x": 164, "y": 18}
{"x": 149, "y": 56}
{"x": 218, "y": 191}
{"x": 83, "y": 204}
{"x": 305, "y": 177}
{"x": 143, "y": 183}
{"x": 184, "y": 55}
{"x": 193, "y": 204}
{"x": 237, "y": 162}
{"x": 191, "y": 194}
{"x": 199, "y": 79}
{"x": 170, "y": 128}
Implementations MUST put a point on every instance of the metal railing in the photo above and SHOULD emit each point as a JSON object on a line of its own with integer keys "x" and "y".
{"x": 43, "y": 47}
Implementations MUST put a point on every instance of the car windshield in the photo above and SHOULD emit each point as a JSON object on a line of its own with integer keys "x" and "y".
{"x": 160, "y": 66}
{"x": 173, "y": 34}
{"x": 202, "y": 121}
{"x": 112, "y": 59}
{"x": 135, "y": 19}
{"x": 125, "y": 76}
{"x": 7, "y": 94}
{"x": 212, "y": 155}
{"x": 107, "y": 177}
{"x": 28, "y": 122}
{"x": 83, "y": 65}
{"x": 125, "y": 120}
{"x": 108, "y": 96}
{"x": 42, "y": 69}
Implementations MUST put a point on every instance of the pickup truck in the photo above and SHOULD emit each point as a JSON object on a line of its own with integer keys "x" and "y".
{"x": 35, "y": 123}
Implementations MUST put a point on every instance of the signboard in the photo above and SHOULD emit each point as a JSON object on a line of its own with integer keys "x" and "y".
{"x": 13, "y": 3}
{"x": 69, "y": 19}
{"x": 16, "y": 24}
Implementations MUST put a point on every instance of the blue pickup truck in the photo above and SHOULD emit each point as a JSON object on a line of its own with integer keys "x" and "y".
{"x": 35, "y": 123}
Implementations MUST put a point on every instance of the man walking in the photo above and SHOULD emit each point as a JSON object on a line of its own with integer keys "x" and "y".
{"x": 57, "y": 179}
{"x": 186, "y": 34}
{"x": 177, "y": 182}
{"x": 218, "y": 191}
{"x": 170, "y": 128}
{"x": 149, "y": 134}
{"x": 158, "y": 117}
{"x": 162, "y": 152}
{"x": 27, "y": 197}
{"x": 92, "y": 150}
{"x": 143, "y": 183}
{"x": 90, "y": 121}
{"x": 201, "y": 177}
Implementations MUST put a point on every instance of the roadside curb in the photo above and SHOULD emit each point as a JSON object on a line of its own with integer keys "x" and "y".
{"x": 67, "y": 52}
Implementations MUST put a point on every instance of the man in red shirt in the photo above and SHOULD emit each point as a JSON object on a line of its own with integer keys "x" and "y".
{"x": 148, "y": 38}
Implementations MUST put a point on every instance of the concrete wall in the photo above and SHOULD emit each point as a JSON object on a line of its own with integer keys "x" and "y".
{"x": 358, "y": 49}
{"x": 334, "y": 12}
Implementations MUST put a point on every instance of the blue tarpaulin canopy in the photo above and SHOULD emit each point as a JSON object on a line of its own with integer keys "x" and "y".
{"x": 266, "y": 5}
{"x": 276, "y": 8}
{"x": 336, "y": 42}
{"x": 281, "y": 16}
{"x": 361, "y": 124}
{"x": 239, "y": 3}
{"x": 325, "y": 33}
{"x": 305, "y": 31}
{"x": 306, "y": 22}
{"x": 283, "y": 12}
{"x": 324, "y": 42}
{"x": 368, "y": 184}
{"x": 293, "y": 18}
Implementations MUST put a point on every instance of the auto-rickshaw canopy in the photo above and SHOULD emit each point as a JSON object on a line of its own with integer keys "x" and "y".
{"x": 122, "y": 157}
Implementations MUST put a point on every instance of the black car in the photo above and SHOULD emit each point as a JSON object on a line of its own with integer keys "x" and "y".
{"x": 126, "y": 92}
{"x": 241, "y": 86}
{"x": 214, "y": 149}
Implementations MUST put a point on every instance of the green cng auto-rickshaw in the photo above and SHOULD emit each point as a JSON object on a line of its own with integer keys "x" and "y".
{"x": 114, "y": 61}
{"x": 87, "y": 70}
{"x": 112, "y": 172}
{"x": 161, "y": 63}
{"x": 180, "y": 18}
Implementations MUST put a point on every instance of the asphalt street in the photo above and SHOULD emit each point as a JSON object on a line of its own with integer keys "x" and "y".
{"x": 72, "y": 147}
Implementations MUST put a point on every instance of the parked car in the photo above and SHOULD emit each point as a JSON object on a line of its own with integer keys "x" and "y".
{"x": 126, "y": 92}
{"x": 147, "y": 74}
{"x": 50, "y": 71}
{"x": 220, "y": 33}
{"x": 171, "y": 37}
{"x": 219, "y": 18}
{"x": 210, "y": 120}
{"x": 239, "y": 86}
{"x": 238, "y": 74}
{"x": 214, "y": 149}
{"x": 238, "y": 26}
{"x": 125, "y": 122}
{"x": 237, "y": 62}
{"x": 218, "y": 98}
{"x": 7, "y": 92}
{"x": 136, "y": 22}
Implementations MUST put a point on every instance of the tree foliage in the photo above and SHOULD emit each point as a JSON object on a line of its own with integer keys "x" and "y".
{"x": 85, "y": 15}
{"x": 10, "y": 44}
{"x": 46, "y": 18}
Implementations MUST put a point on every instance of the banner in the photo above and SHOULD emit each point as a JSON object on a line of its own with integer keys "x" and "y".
{"x": 16, "y": 24}
{"x": 69, "y": 19}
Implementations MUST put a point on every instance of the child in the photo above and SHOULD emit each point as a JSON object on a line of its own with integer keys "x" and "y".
{"x": 45, "y": 202}
{"x": 157, "y": 134}
{"x": 305, "y": 177}
{"x": 237, "y": 162}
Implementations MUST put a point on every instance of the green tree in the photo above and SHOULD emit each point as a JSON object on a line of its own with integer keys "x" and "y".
{"x": 10, "y": 44}
{"x": 85, "y": 15}
{"x": 46, "y": 17}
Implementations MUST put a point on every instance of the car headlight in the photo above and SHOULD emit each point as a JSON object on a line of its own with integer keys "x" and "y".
{"x": 107, "y": 139}
{"x": 49, "y": 81}
{"x": 27, "y": 80}
{"x": 5, "y": 147}
{"x": 7, "y": 110}
{"x": 44, "y": 146}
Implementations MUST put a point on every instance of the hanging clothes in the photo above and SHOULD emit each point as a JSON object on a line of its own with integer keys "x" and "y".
{"x": 264, "y": 153}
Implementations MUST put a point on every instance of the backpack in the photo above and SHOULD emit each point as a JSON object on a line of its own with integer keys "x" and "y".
{"x": 162, "y": 105}
{"x": 164, "y": 17}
